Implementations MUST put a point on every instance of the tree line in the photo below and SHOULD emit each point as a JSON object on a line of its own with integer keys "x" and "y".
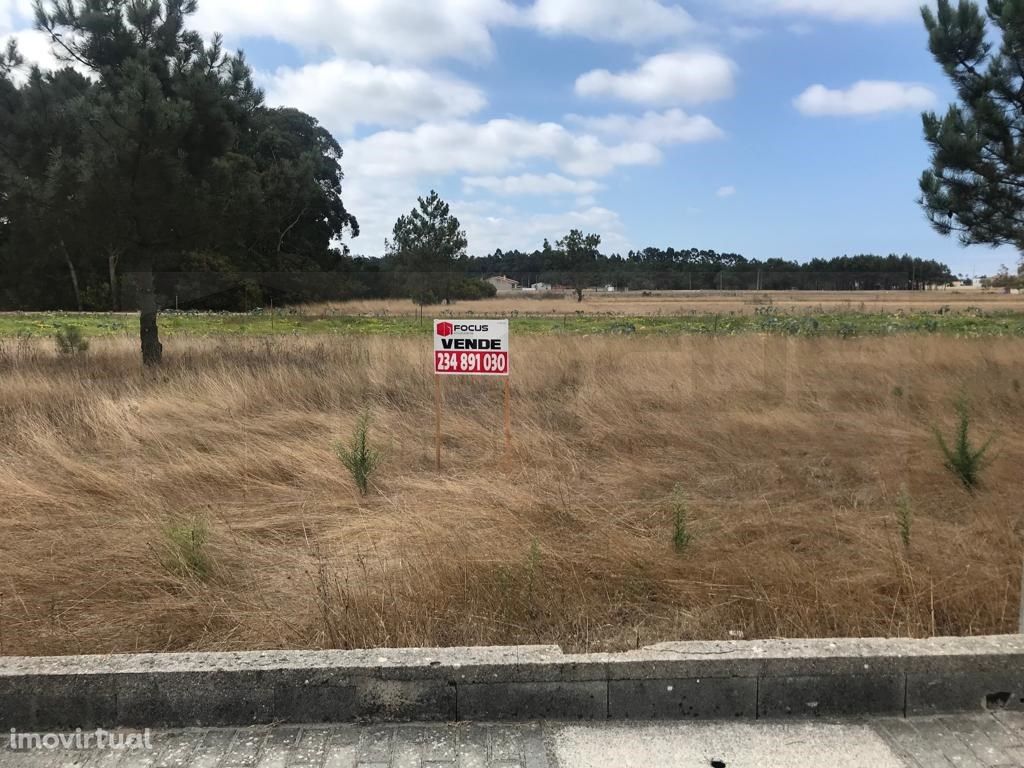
{"x": 152, "y": 154}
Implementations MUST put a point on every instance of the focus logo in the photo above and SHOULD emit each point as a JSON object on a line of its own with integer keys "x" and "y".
{"x": 445, "y": 329}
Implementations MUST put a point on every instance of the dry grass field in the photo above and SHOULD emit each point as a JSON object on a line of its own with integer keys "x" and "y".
{"x": 674, "y": 303}
{"x": 202, "y": 506}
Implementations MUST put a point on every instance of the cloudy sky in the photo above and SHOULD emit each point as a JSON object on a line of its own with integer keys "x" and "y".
{"x": 772, "y": 128}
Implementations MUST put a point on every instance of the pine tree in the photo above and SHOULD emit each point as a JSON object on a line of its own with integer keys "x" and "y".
{"x": 975, "y": 186}
{"x": 427, "y": 245}
{"x": 166, "y": 106}
{"x": 581, "y": 257}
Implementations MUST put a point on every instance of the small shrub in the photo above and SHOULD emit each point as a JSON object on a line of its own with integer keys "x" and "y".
{"x": 905, "y": 516}
{"x": 70, "y": 341}
{"x": 897, "y": 392}
{"x": 682, "y": 537}
{"x": 962, "y": 458}
{"x": 185, "y": 552}
{"x": 359, "y": 458}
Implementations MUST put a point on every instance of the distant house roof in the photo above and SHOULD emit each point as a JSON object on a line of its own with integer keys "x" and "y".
{"x": 503, "y": 281}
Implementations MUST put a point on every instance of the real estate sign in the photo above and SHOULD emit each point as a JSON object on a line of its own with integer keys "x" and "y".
{"x": 471, "y": 348}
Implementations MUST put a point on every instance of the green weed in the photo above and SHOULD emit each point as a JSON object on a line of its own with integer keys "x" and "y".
{"x": 358, "y": 457}
{"x": 962, "y": 458}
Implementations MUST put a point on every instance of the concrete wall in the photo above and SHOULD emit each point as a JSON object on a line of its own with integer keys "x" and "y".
{"x": 734, "y": 680}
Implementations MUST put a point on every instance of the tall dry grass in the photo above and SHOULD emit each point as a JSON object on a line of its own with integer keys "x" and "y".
{"x": 791, "y": 454}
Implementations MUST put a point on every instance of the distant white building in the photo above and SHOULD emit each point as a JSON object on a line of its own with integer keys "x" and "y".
{"x": 961, "y": 285}
{"x": 504, "y": 284}
{"x": 540, "y": 287}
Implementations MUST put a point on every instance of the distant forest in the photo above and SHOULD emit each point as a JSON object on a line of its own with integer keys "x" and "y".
{"x": 354, "y": 277}
{"x": 651, "y": 269}
{"x": 694, "y": 269}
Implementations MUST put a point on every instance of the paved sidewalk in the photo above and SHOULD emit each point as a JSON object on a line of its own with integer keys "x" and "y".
{"x": 982, "y": 741}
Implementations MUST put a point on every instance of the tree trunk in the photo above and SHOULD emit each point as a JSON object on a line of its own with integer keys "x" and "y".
{"x": 112, "y": 257}
{"x": 74, "y": 275}
{"x": 149, "y": 333}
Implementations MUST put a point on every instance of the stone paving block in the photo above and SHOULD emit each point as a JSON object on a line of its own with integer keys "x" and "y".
{"x": 311, "y": 748}
{"x": 279, "y": 748}
{"x": 933, "y": 694}
{"x": 504, "y": 743}
{"x": 471, "y": 741}
{"x": 438, "y": 743}
{"x": 1017, "y": 755}
{"x": 212, "y": 748}
{"x": 1012, "y": 721}
{"x": 534, "y": 749}
{"x": 534, "y": 701}
{"x": 140, "y": 758}
{"x": 406, "y": 754}
{"x": 970, "y": 732}
{"x": 998, "y": 733}
{"x": 830, "y": 696}
{"x": 706, "y": 698}
{"x": 27, "y": 759}
{"x": 245, "y": 748}
{"x": 214, "y": 699}
{"x": 933, "y": 731}
{"x": 108, "y": 759}
{"x": 176, "y": 748}
{"x": 77, "y": 760}
{"x": 374, "y": 745}
{"x": 341, "y": 747}
{"x": 897, "y": 734}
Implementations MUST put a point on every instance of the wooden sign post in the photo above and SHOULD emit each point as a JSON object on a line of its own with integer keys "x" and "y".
{"x": 471, "y": 348}
{"x": 508, "y": 415}
{"x": 437, "y": 409}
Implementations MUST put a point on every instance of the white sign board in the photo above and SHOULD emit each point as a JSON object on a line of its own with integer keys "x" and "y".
{"x": 471, "y": 348}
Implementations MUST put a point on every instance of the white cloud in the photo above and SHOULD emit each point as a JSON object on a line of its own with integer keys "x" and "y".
{"x": 14, "y": 15}
{"x": 378, "y": 202}
{"x": 400, "y": 30}
{"x": 616, "y": 20}
{"x": 386, "y": 171}
{"x": 489, "y": 148}
{"x": 837, "y": 10}
{"x": 343, "y": 94}
{"x": 671, "y": 127}
{"x": 867, "y": 97}
{"x": 509, "y": 229}
{"x": 550, "y": 184}
{"x": 415, "y": 31}
{"x": 726, "y": 191}
{"x": 683, "y": 77}
{"x": 35, "y": 47}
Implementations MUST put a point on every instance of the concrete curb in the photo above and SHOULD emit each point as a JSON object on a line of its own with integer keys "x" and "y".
{"x": 729, "y": 680}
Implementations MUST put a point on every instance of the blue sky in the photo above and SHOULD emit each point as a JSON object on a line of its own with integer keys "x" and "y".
{"x": 772, "y": 128}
